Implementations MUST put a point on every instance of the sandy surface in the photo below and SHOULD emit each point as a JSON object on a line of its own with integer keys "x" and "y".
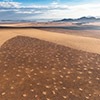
{"x": 42, "y": 65}
{"x": 5, "y": 35}
{"x": 33, "y": 69}
{"x": 77, "y": 42}
{"x": 95, "y": 23}
{"x": 38, "y": 24}
{"x": 83, "y": 33}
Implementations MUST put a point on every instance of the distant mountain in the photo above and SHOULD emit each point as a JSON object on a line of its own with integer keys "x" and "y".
{"x": 87, "y": 18}
{"x": 82, "y": 19}
{"x": 67, "y": 19}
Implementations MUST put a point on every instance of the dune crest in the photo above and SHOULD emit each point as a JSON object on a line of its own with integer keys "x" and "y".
{"x": 76, "y": 42}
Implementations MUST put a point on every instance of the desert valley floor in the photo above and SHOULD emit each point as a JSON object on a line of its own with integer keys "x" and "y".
{"x": 42, "y": 65}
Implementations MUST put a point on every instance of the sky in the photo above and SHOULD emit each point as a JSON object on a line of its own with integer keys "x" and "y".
{"x": 48, "y": 9}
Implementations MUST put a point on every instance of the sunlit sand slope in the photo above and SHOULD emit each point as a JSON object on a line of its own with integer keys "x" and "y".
{"x": 32, "y": 69}
{"x": 5, "y": 35}
{"x": 77, "y": 42}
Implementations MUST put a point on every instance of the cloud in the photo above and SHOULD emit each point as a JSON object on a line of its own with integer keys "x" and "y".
{"x": 16, "y": 10}
{"x": 9, "y": 5}
{"x": 74, "y": 11}
{"x": 54, "y": 3}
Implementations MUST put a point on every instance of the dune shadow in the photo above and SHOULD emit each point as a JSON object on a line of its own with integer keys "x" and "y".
{"x": 35, "y": 69}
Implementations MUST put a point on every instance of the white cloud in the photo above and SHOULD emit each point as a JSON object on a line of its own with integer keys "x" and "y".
{"x": 54, "y": 10}
{"x": 54, "y": 3}
{"x": 24, "y": 12}
{"x": 9, "y": 4}
{"x": 74, "y": 11}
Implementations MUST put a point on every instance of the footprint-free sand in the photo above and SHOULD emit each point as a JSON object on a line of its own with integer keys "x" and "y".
{"x": 88, "y": 44}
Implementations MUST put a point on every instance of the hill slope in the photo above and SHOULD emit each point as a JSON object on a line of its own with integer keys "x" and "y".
{"x": 33, "y": 69}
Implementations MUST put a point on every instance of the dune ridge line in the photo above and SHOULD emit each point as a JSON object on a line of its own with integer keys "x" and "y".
{"x": 76, "y": 42}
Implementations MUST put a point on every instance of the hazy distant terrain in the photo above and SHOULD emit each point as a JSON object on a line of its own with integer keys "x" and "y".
{"x": 83, "y": 23}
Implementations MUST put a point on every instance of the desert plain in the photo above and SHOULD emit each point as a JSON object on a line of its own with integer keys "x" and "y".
{"x": 49, "y": 63}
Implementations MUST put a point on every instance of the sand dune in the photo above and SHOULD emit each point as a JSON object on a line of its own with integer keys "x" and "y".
{"x": 83, "y": 33}
{"x": 76, "y": 42}
{"x": 33, "y": 69}
{"x": 38, "y": 24}
{"x": 5, "y": 35}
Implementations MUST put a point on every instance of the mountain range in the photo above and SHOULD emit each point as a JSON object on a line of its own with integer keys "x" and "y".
{"x": 79, "y": 20}
{"x": 82, "y": 19}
